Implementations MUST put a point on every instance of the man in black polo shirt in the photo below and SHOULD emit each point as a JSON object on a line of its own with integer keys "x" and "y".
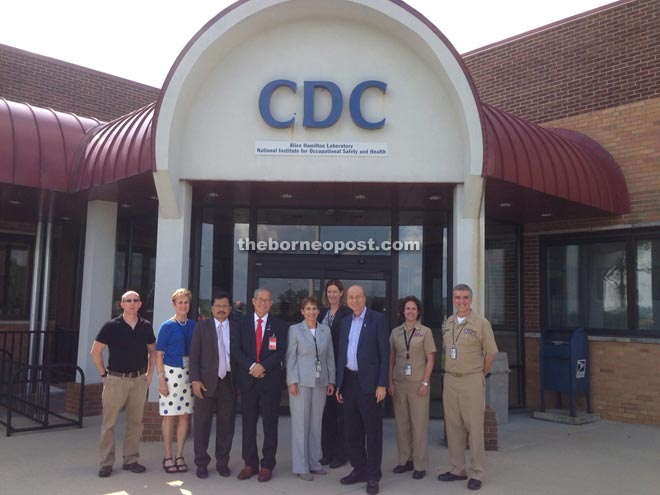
{"x": 131, "y": 360}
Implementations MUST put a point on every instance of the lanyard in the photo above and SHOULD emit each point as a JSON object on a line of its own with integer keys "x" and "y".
{"x": 315, "y": 346}
{"x": 455, "y": 339}
{"x": 408, "y": 341}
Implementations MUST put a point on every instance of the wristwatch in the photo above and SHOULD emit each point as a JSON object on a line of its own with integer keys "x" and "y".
{"x": 426, "y": 384}
{"x": 104, "y": 374}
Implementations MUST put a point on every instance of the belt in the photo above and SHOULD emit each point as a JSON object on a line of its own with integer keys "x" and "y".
{"x": 349, "y": 371}
{"x": 128, "y": 374}
{"x": 460, "y": 375}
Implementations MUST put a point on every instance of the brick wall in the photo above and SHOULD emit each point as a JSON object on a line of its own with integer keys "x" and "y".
{"x": 531, "y": 295}
{"x": 152, "y": 423}
{"x": 47, "y": 82}
{"x": 560, "y": 71}
{"x": 624, "y": 381}
{"x": 92, "y": 405}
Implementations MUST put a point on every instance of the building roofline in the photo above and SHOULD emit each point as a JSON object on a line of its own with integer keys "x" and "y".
{"x": 546, "y": 27}
{"x": 81, "y": 68}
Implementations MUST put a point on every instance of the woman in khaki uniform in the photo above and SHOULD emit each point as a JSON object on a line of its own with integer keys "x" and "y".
{"x": 412, "y": 352}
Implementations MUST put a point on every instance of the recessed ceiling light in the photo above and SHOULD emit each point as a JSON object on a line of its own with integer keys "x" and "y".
{"x": 126, "y": 205}
{"x": 14, "y": 202}
{"x": 360, "y": 196}
{"x": 287, "y": 196}
{"x": 546, "y": 214}
{"x": 65, "y": 218}
{"x": 505, "y": 205}
{"x": 435, "y": 197}
{"x": 213, "y": 195}
{"x": 153, "y": 197}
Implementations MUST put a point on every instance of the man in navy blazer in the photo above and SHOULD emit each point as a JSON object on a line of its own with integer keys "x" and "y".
{"x": 258, "y": 346}
{"x": 362, "y": 375}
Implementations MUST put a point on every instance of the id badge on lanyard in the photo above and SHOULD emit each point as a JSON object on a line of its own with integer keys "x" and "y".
{"x": 318, "y": 368}
{"x": 453, "y": 352}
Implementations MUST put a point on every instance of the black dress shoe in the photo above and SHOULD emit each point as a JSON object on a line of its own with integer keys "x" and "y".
{"x": 337, "y": 463}
{"x": 372, "y": 487}
{"x": 353, "y": 478}
{"x": 449, "y": 476}
{"x": 418, "y": 475}
{"x": 134, "y": 467}
{"x": 474, "y": 484}
{"x": 105, "y": 471}
{"x": 324, "y": 461}
{"x": 223, "y": 471}
{"x": 402, "y": 468}
{"x": 202, "y": 472}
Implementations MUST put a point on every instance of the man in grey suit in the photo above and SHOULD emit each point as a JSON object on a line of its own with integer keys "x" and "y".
{"x": 310, "y": 376}
{"x": 212, "y": 383}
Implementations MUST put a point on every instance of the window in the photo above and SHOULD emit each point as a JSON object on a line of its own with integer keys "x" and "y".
{"x": 648, "y": 284}
{"x": 15, "y": 273}
{"x": 587, "y": 286}
{"x": 606, "y": 286}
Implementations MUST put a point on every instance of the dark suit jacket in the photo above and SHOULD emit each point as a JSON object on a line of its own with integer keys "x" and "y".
{"x": 243, "y": 350}
{"x": 204, "y": 360}
{"x": 335, "y": 328}
{"x": 373, "y": 352}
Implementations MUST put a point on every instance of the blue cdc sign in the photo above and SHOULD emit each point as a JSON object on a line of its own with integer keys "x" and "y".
{"x": 308, "y": 103}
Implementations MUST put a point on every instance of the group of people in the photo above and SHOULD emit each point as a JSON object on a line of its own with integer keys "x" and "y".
{"x": 338, "y": 364}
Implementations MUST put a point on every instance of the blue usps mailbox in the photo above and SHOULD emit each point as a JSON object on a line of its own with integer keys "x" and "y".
{"x": 565, "y": 365}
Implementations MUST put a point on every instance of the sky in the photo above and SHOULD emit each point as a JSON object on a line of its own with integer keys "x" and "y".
{"x": 140, "y": 39}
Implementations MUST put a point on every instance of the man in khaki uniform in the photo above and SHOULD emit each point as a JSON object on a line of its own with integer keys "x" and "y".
{"x": 469, "y": 351}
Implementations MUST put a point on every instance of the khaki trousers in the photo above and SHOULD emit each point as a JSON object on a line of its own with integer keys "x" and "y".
{"x": 463, "y": 399}
{"x": 117, "y": 393}
{"x": 411, "y": 417}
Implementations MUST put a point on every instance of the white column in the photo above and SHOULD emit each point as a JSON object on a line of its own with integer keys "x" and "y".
{"x": 172, "y": 255}
{"x": 469, "y": 244}
{"x": 98, "y": 276}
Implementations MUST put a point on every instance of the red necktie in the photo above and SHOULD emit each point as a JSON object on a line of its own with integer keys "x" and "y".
{"x": 258, "y": 337}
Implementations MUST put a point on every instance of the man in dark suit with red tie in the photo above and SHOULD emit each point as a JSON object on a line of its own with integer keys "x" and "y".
{"x": 258, "y": 347}
{"x": 211, "y": 376}
{"x": 362, "y": 377}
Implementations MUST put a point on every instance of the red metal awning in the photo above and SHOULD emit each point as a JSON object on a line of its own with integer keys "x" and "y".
{"x": 555, "y": 162}
{"x": 44, "y": 149}
{"x": 117, "y": 150}
{"x": 38, "y": 146}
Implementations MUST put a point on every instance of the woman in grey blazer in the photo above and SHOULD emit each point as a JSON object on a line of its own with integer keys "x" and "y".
{"x": 310, "y": 367}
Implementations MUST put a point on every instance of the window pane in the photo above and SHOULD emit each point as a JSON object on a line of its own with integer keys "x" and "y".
{"x": 410, "y": 263}
{"x": 494, "y": 283}
{"x": 586, "y": 286}
{"x": 648, "y": 284}
{"x": 14, "y": 279}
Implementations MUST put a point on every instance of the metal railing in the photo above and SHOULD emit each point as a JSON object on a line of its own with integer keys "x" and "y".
{"x": 31, "y": 363}
{"x": 27, "y": 392}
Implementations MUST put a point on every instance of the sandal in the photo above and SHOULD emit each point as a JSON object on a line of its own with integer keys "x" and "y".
{"x": 169, "y": 468}
{"x": 181, "y": 467}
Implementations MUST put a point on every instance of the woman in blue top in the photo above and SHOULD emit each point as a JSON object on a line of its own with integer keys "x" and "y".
{"x": 175, "y": 392}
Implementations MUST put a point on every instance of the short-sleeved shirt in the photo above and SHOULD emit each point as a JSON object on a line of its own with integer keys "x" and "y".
{"x": 174, "y": 341}
{"x": 473, "y": 340}
{"x": 421, "y": 344}
{"x": 127, "y": 347}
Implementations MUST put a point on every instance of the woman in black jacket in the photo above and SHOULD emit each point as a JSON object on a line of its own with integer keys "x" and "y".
{"x": 332, "y": 436}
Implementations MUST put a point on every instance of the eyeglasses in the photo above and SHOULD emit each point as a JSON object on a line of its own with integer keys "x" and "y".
{"x": 131, "y": 300}
{"x": 221, "y": 306}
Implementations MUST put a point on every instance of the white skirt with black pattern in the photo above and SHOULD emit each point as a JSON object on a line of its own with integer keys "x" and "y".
{"x": 180, "y": 399}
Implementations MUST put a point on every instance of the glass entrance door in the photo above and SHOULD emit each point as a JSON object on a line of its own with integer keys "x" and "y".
{"x": 291, "y": 278}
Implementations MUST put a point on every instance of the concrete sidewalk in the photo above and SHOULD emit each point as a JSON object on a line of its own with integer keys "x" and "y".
{"x": 535, "y": 458}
